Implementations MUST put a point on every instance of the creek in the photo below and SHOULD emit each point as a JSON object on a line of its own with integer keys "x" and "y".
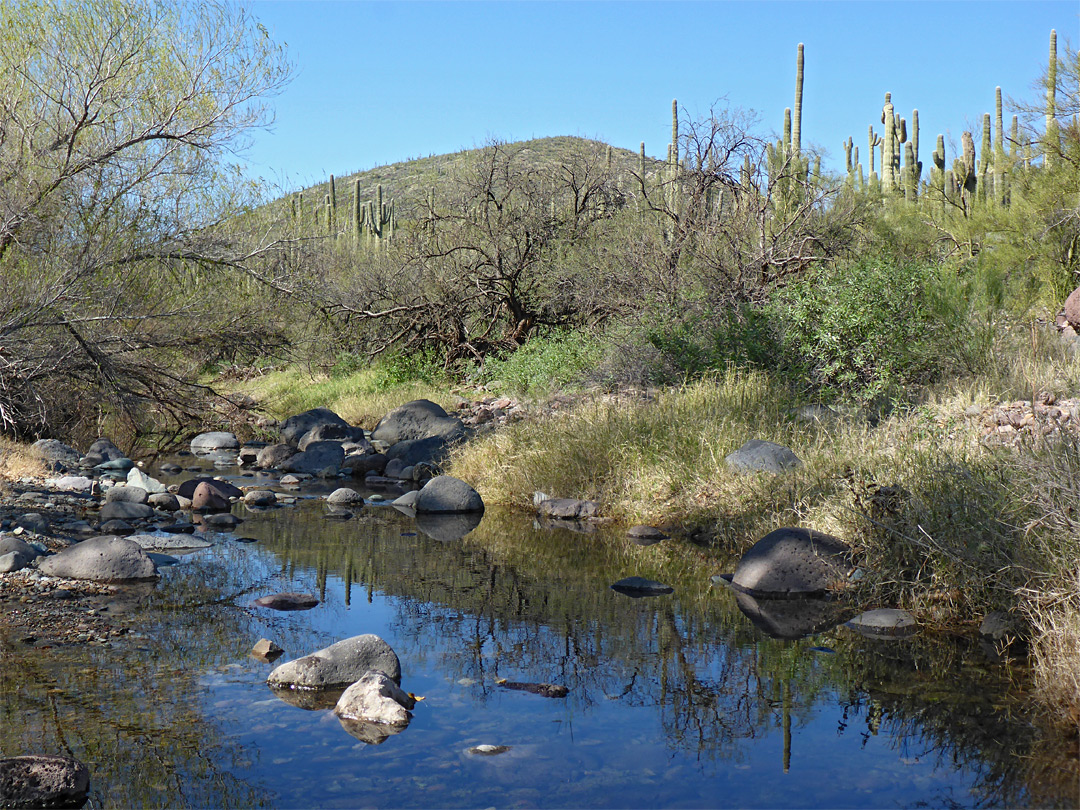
{"x": 677, "y": 700}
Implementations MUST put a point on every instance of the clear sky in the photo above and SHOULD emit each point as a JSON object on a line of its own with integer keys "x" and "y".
{"x": 381, "y": 82}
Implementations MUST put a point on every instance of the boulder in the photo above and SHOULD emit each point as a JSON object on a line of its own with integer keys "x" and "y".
{"x": 168, "y": 542}
{"x": 760, "y": 456}
{"x": 223, "y": 488}
{"x": 71, "y": 483}
{"x": 645, "y": 535}
{"x": 375, "y": 698}
{"x": 266, "y": 650}
{"x": 223, "y": 521}
{"x": 331, "y": 432}
{"x": 419, "y": 419}
{"x": 165, "y": 501}
{"x": 408, "y": 500}
{"x": 208, "y": 498}
{"x": 126, "y": 494}
{"x": 274, "y": 455}
{"x": 1071, "y": 310}
{"x": 339, "y": 664}
{"x": 116, "y": 526}
{"x": 43, "y": 781}
{"x": 103, "y": 559}
{"x": 568, "y": 509}
{"x": 214, "y": 440}
{"x": 116, "y": 465}
{"x": 444, "y": 494}
{"x": 15, "y": 554}
{"x": 318, "y": 457}
{"x": 260, "y": 498}
{"x": 294, "y": 428}
{"x": 637, "y": 587}
{"x": 125, "y": 510}
{"x": 360, "y": 466}
{"x": 411, "y": 452}
{"x": 33, "y": 522}
{"x": 101, "y": 451}
{"x": 793, "y": 562}
{"x": 137, "y": 478}
{"x": 343, "y": 496}
{"x": 52, "y": 451}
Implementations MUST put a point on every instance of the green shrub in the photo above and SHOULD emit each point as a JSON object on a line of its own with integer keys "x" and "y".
{"x": 545, "y": 363}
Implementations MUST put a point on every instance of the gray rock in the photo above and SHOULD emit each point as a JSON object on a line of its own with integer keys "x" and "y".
{"x": 329, "y": 432}
{"x": 407, "y": 500}
{"x": 395, "y": 468}
{"x": 815, "y": 413}
{"x": 637, "y": 587}
{"x": 137, "y": 478}
{"x": 889, "y": 622}
{"x": 419, "y": 419}
{"x": 344, "y": 496}
{"x": 568, "y": 509}
{"x": 360, "y": 466}
{"x": 445, "y": 494}
{"x": 294, "y": 428}
{"x": 760, "y": 456}
{"x": 339, "y": 664}
{"x": 123, "y": 510}
{"x": 266, "y": 650}
{"x": 15, "y": 554}
{"x": 101, "y": 451}
{"x": 102, "y": 559}
{"x": 793, "y": 562}
{"x": 71, "y": 483}
{"x": 274, "y": 455}
{"x": 33, "y": 522}
{"x": 223, "y": 521}
{"x": 116, "y": 526}
{"x": 165, "y": 501}
{"x": 53, "y": 451}
{"x": 118, "y": 465}
{"x": 168, "y": 542}
{"x": 126, "y": 494}
{"x": 645, "y": 535}
{"x": 486, "y": 750}
{"x": 260, "y": 498}
{"x": 375, "y": 698}
{"x": 43, "y": 781}
{"x": 214, "y": 440}
{"x": 316, "y": 458}
{"x": 410, "y": 452}
{"x": 447, "y": 527}
{"x": 996, "y": 626}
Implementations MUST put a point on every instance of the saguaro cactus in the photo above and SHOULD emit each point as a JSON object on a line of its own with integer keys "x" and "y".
{"x": 1052, "y": 145}
{"x": 796, "y": 121}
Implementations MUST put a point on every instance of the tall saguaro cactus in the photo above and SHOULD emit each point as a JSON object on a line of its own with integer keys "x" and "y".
{"x": 796, "y": 120}
{"x": 1052, "y": 144}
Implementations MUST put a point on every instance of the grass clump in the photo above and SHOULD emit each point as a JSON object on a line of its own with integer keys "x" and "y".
{"x": 17, "y": 461}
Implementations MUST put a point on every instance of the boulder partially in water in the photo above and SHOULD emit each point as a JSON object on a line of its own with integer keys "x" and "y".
{"x": 103, "y": 559}
{"x": 793, "y": 562}
{"x": 339, "y": 664}
{"x": 375, "y": 698}
{"x": 445, "y": 494}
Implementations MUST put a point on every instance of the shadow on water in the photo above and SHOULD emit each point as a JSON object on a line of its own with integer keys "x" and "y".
{"x": 711, "y": 690}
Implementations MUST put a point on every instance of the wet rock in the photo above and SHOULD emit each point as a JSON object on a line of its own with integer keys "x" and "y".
{"x": 888, "y": 622}
{"x": 207, "y": 498}
{"x": 419, "y": 419}
{"x": 179, "y": 527}
{"x": 168, "y": 542}
{"x": 223, "y": 488}
{"x": 375, "y": 698}
{"x": 223, "y": 521}
{"x": 126, "y": 511}
{"x": 447, "y": 527}
{"x": 488, "y": 750}
{"x": 344, "y": 496}
{"x": 126, "y": 494}
{"x": 548, "y": 690}
{"x": 288, "y": 601}
{"x": 761, "y": 456}
{"x": 445, "y": 494}
{"x": 339, "y": 664}
{"x": 318, "y": 457}
{"x": 266, "y": 650}
{"x": 260, "y": 497}
{"x": 165, "y": 501}
{"x": 170, "y": 469}
{"x": 568, "y": 509}
{"x": 793, "y": 562}
{"x": 214, "y": 440}
{"x": 637, "y": 587}
{"x": 103, "y": 559}
{"x": 43, "y": 781}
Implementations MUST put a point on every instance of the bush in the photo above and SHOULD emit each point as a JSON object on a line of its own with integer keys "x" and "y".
{"x": 870, "y": 328}
{"x": 545, "y": 363}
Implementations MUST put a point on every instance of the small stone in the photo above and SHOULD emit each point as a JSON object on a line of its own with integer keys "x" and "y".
{"x": 489, "y": 750}
{"x": 266, "y": 650}
{"x": 890, "y": 622}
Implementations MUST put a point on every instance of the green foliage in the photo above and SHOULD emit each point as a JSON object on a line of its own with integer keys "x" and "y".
{"x": 545, "y": 364}
{"x": 697, "y": 345}
{"x": 867, "y": 328}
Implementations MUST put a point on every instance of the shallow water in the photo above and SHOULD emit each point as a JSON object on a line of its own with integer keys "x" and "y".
{"x": 674, "y": 701}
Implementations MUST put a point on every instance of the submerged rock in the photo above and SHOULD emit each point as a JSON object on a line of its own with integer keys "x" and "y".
{"x": 548, "y": 690}
{"x": 637, "y": 587}
{"x": 288, "y": 601}
{"x": 888, "y": 622}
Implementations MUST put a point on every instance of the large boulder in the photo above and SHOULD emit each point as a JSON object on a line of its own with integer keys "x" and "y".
{"x": 318, "y": 457}
{"x": 214, "y": 440}
{"x": 1072, "y": 309}
{"x": 793, "y": 562}
{"x": 419, "y": 419}
{"x": 375, "y": 698}
{"x": 274, "y": 455}
{"x": 53, "y": 452}
{"x": 294, "y": 428}
{"x": 103, "y": 559}
{"x": 761, "y": 456}
{"x": 101, "y": 451}
{"x": 332, "y": 432}
{"x": 43, "y": 781}
{"x": 223, "y": 488}
{"x": 444, "y": 494}
{"x": 207, "y": 498}
{"x": 411, "y": 452}
{"x": 339, "y": 664}
{"x": 15, "y": 554}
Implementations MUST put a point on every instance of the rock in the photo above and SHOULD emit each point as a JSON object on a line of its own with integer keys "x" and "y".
{"x": 170, "y": 469}
{"x": 102, "y": 559}
{"x": 288, "y": 601}
{"x": 116, "y": 526}
{"x": 294, "y": 428}
{"x": 207, "y": 498}
{"x": 317, "y": 457}
{"x": 223, "y": 521}
{"x": 997, "y": 626}
{"x": 792, "y": 618}
{"x": 419, "y": 419}
{"x": 395, "y": 468}
{"x": 760, "y": 456}
{"x": 260, "y": 498}
{"x": 645, "y": 535}
{"x": 126, "y": 494}
{"x": 345, "y": 497}
{"x": 223, "y": 488}
{"x": 15, "y": 554}
{"x": 360, "y": 466}
{"x": 101, "y": 451}
{"x": 168, "y": 542}
{"x": 410, "y": 452}
{"x": 890, "y": 622}
{"x": 815, "y": 414}
{"x": 1071, "y": 311}
{"x": 38, "y": 780}
{"x": 375, "y": 698}
{"x": 488, "y": 750}
{"x": 125, "y": 510}
{"x": 137, "y": 478}
{"x": 115, "y": 465}
{"x": 52, "y": 451}
{"x": 71, "y": 483}
{"x": 445, "y": 494}
{"x": 266, "y": 650}
{"x": 214, "y": 440}
{"x": 568, "y": 509}
{"x": 33, "y": 522}
{"x": 549, "y": 690}
{"x": 408, "y": 500}
{"x": 342, "y": 663}
{"x": 328, "y": 431}
{"x": 274, "y": 456}
{"x": 637, "y": 587}
{"x": 793, "y": 562}
{"x": 447, "y": 527}
{"x": 165, "y": 501}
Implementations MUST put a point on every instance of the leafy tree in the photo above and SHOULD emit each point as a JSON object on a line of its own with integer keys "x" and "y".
{"x": 118, "y": 122}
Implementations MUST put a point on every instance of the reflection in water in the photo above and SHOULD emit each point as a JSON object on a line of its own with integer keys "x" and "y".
{"x": 669, "y": 701}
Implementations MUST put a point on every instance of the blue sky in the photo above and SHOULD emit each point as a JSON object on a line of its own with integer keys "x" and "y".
{"x": 381, "y": 82}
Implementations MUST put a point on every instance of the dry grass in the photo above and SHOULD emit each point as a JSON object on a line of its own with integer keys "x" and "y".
{"x": 1056, "y": 652}
{"x": 17, "y": 461}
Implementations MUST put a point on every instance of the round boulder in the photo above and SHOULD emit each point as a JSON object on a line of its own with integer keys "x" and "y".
{"x": 214, "y": 440}
{"x": 223, "y": 488}
{"x": 52, "y": 451}
{"x": 793, "y": 562}
{"x": 318, "y": 457}
{"x": 294, "y": 428}
{"x": 375, "y": 698}
{"x": 126, "y": 494}
{"x": 125, "y": 510}
{"x": 103, "y": 559}
{"x": 419, "y": 419}
{"x": 101, "y": 451}
{"x": 207, "y": 498}
{"x": 446, "y": 494}
{"x": 344, "y": 496}
{"x": 760, "y": 456}
{"x": 339, "y": 664}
